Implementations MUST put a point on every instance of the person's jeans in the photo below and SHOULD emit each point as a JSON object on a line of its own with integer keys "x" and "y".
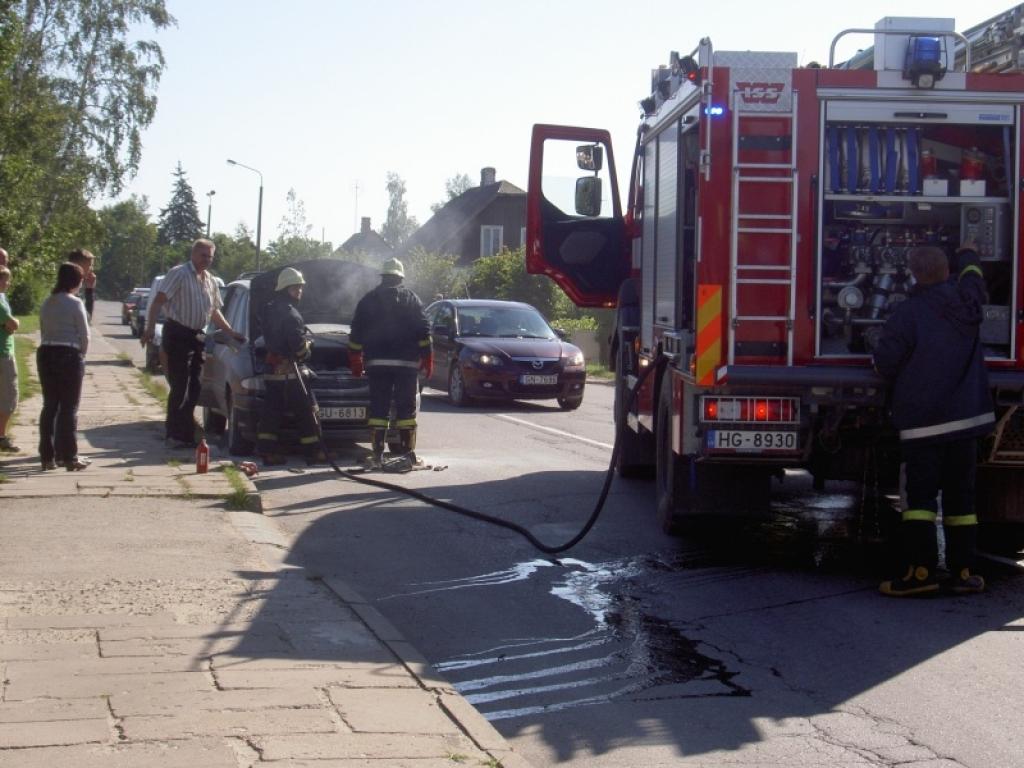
{"x": 184, "y": 354}
{"x": 60, "y": 374}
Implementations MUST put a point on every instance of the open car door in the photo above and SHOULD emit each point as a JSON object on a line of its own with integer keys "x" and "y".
{"x": 574, "y": 225}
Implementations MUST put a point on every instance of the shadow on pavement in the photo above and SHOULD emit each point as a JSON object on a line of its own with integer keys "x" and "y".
{"x": 697, "y": 643}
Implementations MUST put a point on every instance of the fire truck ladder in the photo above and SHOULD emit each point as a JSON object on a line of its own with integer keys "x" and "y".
{"x": 746, "y": 178}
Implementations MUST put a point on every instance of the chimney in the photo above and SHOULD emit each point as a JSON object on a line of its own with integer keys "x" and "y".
{"x": 365, "y": 228}
{"x": 487, "y": 176}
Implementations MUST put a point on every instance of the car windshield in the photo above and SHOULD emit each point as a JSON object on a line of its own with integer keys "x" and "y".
{"x": 503, "y": 322}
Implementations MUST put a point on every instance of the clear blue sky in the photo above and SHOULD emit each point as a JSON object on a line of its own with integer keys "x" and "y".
{"x": 322, "y": 95}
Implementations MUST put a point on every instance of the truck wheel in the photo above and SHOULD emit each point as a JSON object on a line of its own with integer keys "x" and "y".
{"x": 237, "y": 444}
{"x": 636, "y": 450}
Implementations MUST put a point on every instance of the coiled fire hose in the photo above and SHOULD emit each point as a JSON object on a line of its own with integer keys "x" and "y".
{"x": 620, "y": 426}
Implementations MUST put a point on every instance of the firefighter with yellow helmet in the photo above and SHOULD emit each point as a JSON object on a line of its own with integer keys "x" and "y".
{"x": 284, "y": 332}
{"x": 390, "y": 338}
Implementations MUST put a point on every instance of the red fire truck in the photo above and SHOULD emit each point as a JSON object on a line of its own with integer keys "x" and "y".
{"x": 763, "y": 245}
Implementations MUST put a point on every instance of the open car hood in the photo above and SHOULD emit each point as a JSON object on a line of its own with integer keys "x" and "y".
{"x": 333, "y": 288}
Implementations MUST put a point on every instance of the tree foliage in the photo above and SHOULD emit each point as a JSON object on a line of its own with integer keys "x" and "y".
{"x": 430, "y": 274}
{"x": 453, "y": 187}
{"x": 129, "y": 256}
{"x": 179, "y": 221}
{"x": 75, "y": 94}
{"x": 399, "y": 225}
{"x": 504, "y": 276}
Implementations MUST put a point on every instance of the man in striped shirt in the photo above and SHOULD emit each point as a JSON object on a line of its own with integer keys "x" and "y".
{"x": 190, "y": 299}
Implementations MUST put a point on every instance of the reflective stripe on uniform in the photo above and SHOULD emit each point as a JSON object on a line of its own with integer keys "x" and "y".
{"x": 424, "y": 342}
{"x": 926, "y": 515}
{"x": 376, "y": 422}
{"x": 307, "y": 440}
{"x": 405, "y": 423}
{"x": 265, "y": 436}
{"x": 394, "y": 363}
{"x": 954, "y": 521}
{"x": 949, "y": 426}
{"x": 972, "y": 268}
{"x": 354, "y": 346}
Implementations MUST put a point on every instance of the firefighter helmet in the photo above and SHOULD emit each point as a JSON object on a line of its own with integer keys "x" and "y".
{"x": 288, "y": 277}
{"x": 392, "y": 267}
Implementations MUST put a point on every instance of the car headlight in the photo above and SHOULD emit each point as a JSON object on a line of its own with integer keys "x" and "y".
{"x": 486, "y": 360}
{"x": 253, "y": 384}
{"x": 575, "y": 361}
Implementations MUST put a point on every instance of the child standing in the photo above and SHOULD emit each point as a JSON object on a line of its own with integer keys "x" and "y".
{"x": 8, "y": 368}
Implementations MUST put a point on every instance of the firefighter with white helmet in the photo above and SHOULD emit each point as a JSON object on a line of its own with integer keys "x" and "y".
{"x": 284, "y": 332}
{"x": 390, "y": 338}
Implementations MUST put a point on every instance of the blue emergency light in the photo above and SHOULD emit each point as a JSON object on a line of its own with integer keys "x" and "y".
{"x": 714, "y": 110}
{"x": 924, "y": 65}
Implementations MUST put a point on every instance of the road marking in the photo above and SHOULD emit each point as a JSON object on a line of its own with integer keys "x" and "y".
{"x": 554, "y": 431}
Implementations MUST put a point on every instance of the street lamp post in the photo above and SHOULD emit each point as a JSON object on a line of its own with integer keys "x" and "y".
{"x": 259, "y": 210}
{"x": 209, "y": 210}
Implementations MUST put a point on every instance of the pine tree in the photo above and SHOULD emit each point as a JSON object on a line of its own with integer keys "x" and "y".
{"x": 179, "y": 221}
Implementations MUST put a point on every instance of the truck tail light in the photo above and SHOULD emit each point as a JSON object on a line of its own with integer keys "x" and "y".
{"x": 768, "y": 410}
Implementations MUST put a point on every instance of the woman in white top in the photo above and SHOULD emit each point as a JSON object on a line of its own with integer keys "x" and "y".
{"x": 60, "y": 359}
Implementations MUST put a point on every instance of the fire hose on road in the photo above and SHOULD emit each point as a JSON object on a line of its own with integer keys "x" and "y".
{"x": 360, "y": 477}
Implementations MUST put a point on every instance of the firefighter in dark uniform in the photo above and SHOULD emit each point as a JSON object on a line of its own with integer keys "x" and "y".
{"x": 941, "y": 403}
{"x": 390, "y": 338}
{"x": 285, "y": 335}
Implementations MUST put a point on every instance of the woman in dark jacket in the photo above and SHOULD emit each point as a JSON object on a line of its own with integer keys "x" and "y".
{"x": 60, "y": 359}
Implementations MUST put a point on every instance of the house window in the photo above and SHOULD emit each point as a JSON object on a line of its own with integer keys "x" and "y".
{"x": 522, "y": 236}
{"x": 490, "y": 239}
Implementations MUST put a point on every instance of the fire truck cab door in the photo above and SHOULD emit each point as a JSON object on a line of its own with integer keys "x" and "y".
{"x": 574, "y": 227}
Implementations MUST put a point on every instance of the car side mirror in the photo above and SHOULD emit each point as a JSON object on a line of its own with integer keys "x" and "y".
{"x": 588, "y": 196}
{"x": 561, "y": 333}
{"x": 590, "y": 157}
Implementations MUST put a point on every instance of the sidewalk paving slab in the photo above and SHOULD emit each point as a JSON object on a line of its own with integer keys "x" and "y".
{"x": 142, "y": 623}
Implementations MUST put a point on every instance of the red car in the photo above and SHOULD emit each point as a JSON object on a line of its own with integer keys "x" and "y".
{"x": 130, "y": 302}
{"x": 502, "y": 350}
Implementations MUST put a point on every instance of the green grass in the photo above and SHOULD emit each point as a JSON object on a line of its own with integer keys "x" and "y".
{"x": 24, "y": 348}
{"x": 28, "y": 323}
{"x": 3, "y": 478}
{"x": 237, "y": 498}
{"x": 150, "y": 384}
{"x": 598, "y": 371}
{"x": 28, "y": 384}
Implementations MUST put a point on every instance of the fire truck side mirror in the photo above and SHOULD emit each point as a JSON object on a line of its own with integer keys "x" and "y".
{"x": 588, "y": 196}
{"x": 590, "y": 157}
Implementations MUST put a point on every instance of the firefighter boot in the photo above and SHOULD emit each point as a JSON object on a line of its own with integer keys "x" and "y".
{"x": 407, "y": 437}
{"x": 960, "y": 545}
{"x": 921, "y": 550}
{"x": 379, "y": 435}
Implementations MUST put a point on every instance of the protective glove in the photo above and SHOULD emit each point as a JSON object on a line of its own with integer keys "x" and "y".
{"x": 355, "y": 362}
{"x": 304, "y": 351}
{"x": 427, "y": 364}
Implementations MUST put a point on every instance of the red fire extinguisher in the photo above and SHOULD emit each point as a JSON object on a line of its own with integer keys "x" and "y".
{"x": 202, "y": 457}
